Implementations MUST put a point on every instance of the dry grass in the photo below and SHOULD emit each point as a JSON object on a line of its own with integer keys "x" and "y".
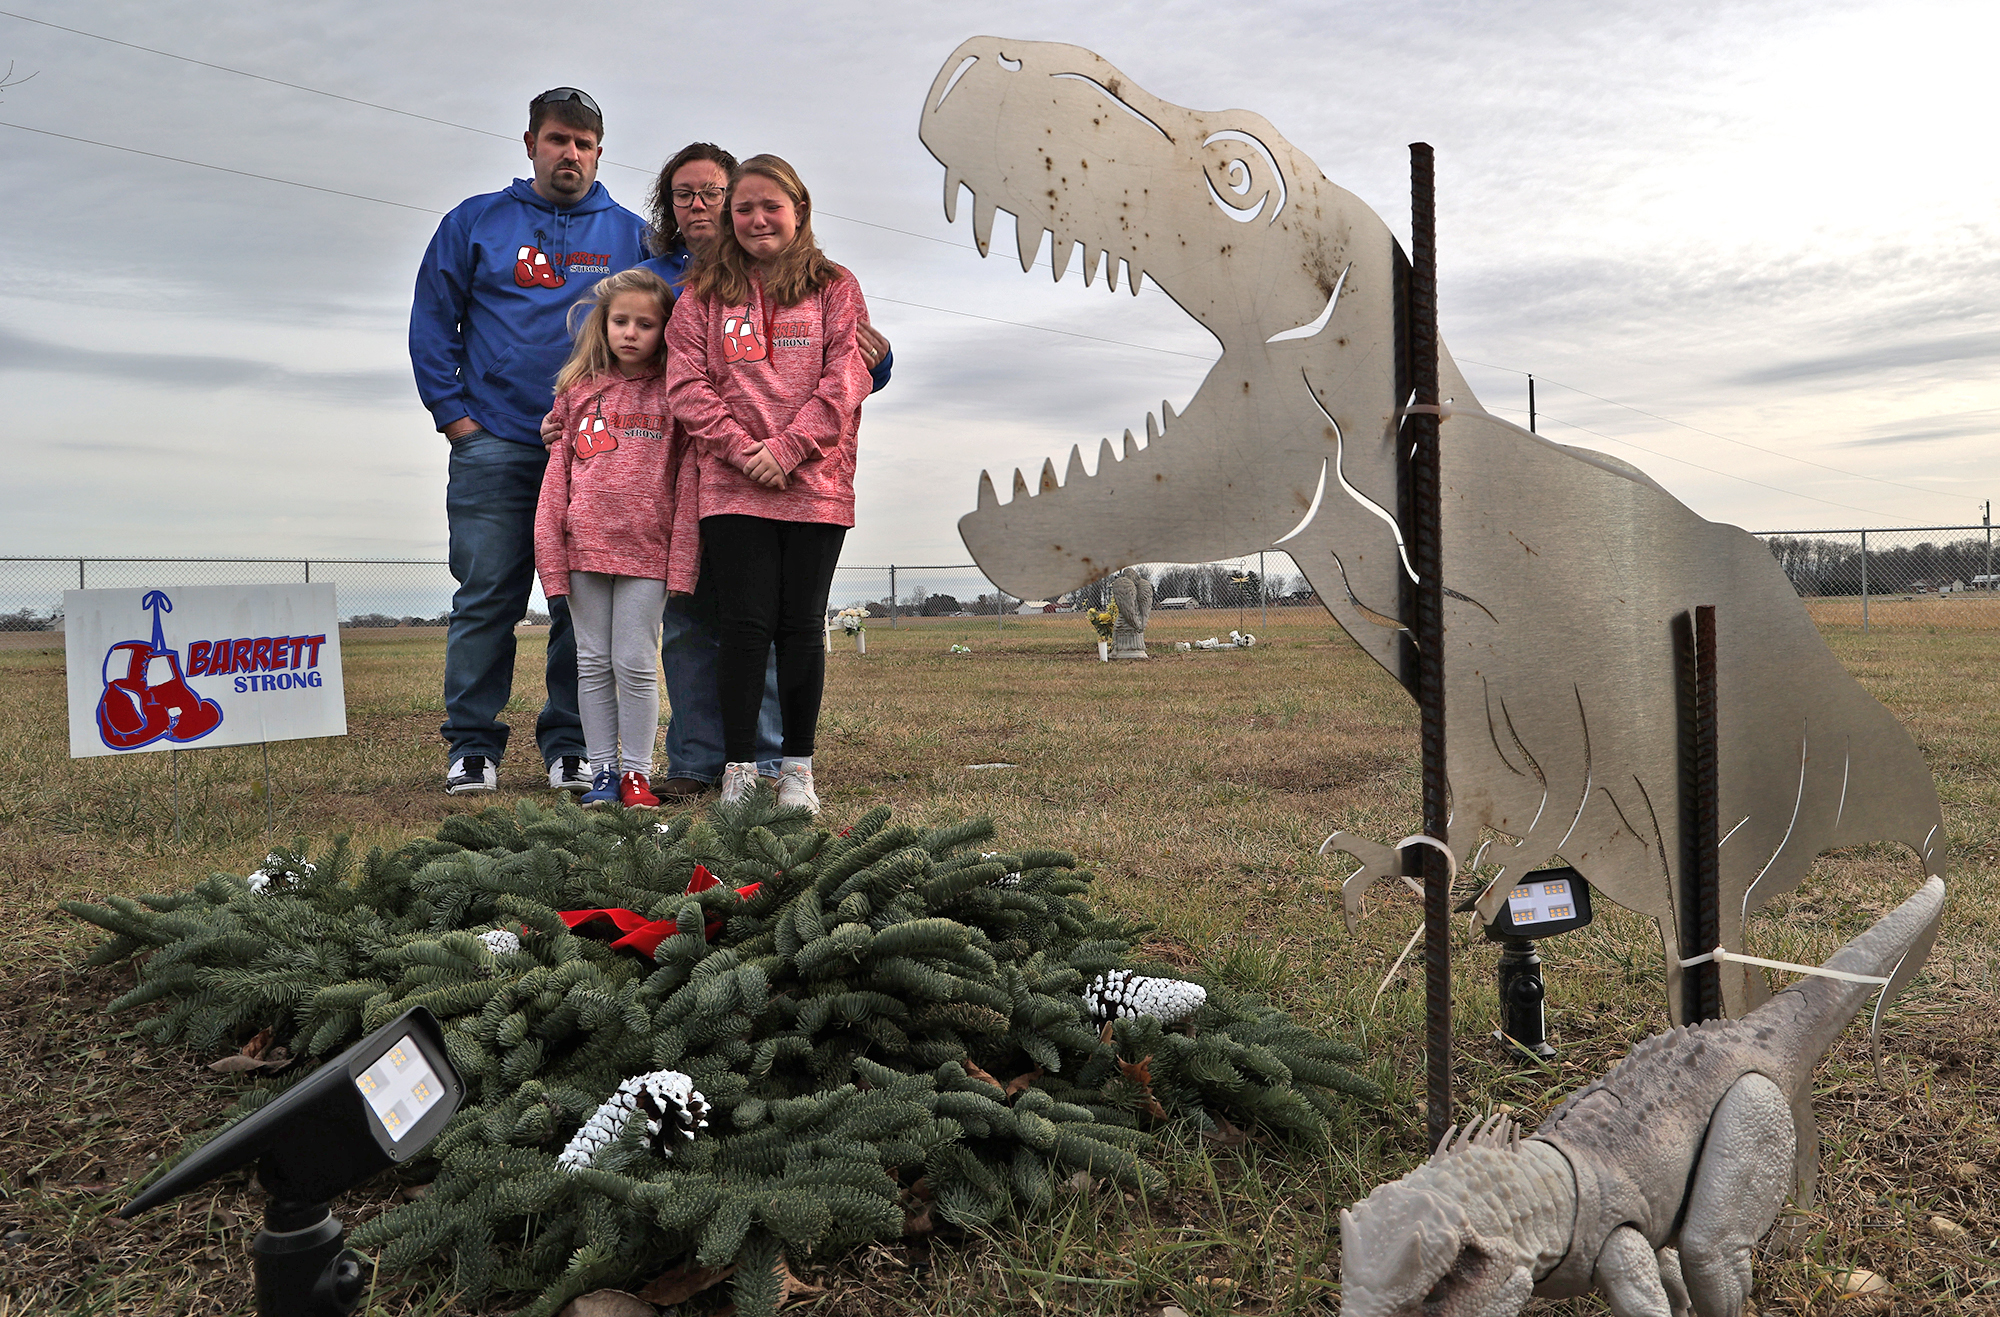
{"x": 1198, "y": 786}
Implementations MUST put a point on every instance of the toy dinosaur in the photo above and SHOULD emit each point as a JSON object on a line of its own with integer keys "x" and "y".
{"x": 1565, "y": 570}
{"x": 1650, "y": 1186}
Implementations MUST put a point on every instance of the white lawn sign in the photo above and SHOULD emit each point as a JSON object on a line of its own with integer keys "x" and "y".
{"x": 201, "y": 665}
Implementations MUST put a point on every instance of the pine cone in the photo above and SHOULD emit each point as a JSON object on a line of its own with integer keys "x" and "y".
{"x": 667, "y": 1099}
{"x": 500, "y": 942}
{"x": 1120, "y": 994}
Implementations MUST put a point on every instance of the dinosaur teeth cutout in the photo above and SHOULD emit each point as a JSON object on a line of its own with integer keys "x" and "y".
{"x": 1020, "y": 484}
{"x": 982, "y": 222}
{"x": 1090, "y": 258}
{"x": 1049, "y": 475}
{"x": 952, "y": 183}
{"x": 1060, "y": 250}
{"x": 1075, "y": 470}
{"x": 1131, "y": 445}
{"x": 1152, "y": 430}
{"x": 1167, "y": 413}
{"x": 1105, "y": 457}
{"x": 1027, "y": 241}
{"x": 988, "y": 498}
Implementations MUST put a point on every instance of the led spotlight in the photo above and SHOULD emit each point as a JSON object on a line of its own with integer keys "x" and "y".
{"x": 1544, "y": 903}
{"x": 375, "y": 1105}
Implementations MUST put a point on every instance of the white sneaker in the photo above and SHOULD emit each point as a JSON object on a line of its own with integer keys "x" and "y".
{"x": 738, "y": 781}
{"x": 471, "y": 773}
{"x": 795, "y": 789}
{"x": 570, "y": 773}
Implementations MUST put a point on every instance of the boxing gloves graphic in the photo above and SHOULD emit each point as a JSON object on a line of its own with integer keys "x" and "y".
{"x": 592, "y": 438}
{"x": 135, "y": 711}
{"x": 740, "y": 340}
{"x": 532, "y": 268}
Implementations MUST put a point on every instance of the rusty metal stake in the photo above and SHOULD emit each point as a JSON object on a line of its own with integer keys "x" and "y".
{"x": 1428, "y": 552}
{"x": 1701, "y": 911}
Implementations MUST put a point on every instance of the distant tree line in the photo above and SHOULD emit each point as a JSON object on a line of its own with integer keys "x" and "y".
{"x": 29, "y": 620}
{"x": 1818, "y": 566}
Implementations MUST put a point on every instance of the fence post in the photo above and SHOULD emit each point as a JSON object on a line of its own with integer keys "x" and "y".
{"x": 892, "y": 596}
{"x": 1263, "y": 591}
{"x": 79, "y": 573}
{"x": 1000, "y": 608}
{"x": 1864, "y": 579}
{"x": 308, "y": 565}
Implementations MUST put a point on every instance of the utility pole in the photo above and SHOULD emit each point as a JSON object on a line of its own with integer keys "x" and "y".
{"x": 1531, "y": 404}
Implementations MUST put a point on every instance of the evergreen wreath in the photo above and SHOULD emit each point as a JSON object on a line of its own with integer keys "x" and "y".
{"x": 840, "y": 1033}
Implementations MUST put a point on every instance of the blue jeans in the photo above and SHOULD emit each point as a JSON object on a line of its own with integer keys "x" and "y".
{"x": 489, "y": 507}
{"x": 690, "y": 640}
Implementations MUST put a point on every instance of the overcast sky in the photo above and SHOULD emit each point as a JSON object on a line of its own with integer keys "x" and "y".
{"x": 1756, "y": 224}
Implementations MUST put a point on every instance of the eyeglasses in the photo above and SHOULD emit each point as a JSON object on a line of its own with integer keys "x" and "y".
{"x": 684, "y": 196}
{"x": 561, "y": 94}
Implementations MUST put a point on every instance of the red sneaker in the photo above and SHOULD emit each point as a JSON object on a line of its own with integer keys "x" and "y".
{"x": 634, "y": 792}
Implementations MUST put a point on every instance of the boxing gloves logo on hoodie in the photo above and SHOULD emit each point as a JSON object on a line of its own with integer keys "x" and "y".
{"x": 532, "y": 269}
{"x": 740, "y": 340}
{"x": 592, "y": 438}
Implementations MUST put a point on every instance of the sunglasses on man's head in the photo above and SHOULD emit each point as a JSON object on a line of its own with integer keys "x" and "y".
{"x": 561, "y": 94}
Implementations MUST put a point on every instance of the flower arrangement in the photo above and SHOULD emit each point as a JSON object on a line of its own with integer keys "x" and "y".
{"x": 1103, "y": 620}
{"x": 852, "y": 620}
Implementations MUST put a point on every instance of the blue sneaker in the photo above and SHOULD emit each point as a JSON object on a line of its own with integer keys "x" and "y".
{"x": 603, "y": 790}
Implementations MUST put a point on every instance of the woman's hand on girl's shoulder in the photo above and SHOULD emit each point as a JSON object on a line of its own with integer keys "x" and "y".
{"x": 551, "y": 430}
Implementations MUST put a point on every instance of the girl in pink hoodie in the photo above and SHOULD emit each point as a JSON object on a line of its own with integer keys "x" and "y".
{"x": 609, "y": 532}
{"x": 765, "y": 375}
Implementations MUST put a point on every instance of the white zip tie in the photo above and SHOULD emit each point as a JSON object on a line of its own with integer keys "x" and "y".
{"x": 1719, "y": 955}
{"x": 1420, "y": 839}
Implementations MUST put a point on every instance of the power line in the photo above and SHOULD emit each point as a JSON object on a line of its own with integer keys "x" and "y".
{"x": 1714, "y": 471}
{"x": 1743, "y": 443}
{"x": 1046, "y": 329}
{"x": 389, "y": 109}
{"x": 223, "y": 169}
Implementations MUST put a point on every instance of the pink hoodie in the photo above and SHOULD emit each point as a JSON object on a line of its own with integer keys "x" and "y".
{"x": 790, "y": 377}
{"x": 608, "y": 497}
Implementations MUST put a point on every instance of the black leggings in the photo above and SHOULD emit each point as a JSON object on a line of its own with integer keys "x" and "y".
{"x": 770, "y": 581}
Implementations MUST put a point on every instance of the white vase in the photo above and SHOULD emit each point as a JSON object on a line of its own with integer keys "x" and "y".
{"x": 861, "y": 642}
{"x": 1103, "y": 651}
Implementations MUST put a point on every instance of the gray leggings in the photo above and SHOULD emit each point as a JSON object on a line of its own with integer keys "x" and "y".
{"x": 617, "y": 622}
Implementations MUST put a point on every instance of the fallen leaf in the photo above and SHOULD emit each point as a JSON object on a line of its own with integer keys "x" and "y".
{"x": 256, "y": 1046}
{"x": 917, "y": 1220}
{"x": 791, "y": 1287}
{"x": 1079, "y": 1181}
{"x": 608, "y": 1303}
{"x": 1140, "y": 1073}
{"x": 1104, "y": 1034}
{"x": 1019, "y": 1082}
{"x": 1225, "y": 1135}
{"x": 1948, "y": 1230}
{"x": 972, "y": 1069}
{"x": 231, "y": 1064}
{"x": 682, "y": 1283}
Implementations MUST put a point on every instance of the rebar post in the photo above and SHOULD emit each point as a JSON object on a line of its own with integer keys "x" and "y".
{"x": 1428, "y": 545}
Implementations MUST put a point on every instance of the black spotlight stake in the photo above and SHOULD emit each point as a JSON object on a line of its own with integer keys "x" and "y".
{"x": 376, "y": 1105}
{"x": 1544, "y": 903}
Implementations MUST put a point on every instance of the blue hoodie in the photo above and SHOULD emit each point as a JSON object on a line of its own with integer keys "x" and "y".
{"x": 488, "y": 325}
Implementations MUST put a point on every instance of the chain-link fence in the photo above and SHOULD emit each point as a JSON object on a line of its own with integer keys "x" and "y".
{"x": 1923, "y": 576}
{"x": 417, "y": 591}
{"x": 1918, "y": 576}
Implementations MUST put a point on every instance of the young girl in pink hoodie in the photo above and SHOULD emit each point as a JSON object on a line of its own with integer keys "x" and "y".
{"x": 609, "y": 532}
{"x": 765, "y": 375}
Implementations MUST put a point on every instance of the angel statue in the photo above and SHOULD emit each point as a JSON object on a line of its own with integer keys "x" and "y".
{"x": 1133, "y": 594}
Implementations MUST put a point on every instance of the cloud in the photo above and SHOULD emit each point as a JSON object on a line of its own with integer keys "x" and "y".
{"x": 202, "y": 373}
{"x": 1922, "y": 429}
{"x": 1888, "y": 356}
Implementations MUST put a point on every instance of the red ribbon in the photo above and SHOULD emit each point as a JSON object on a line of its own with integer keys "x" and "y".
{"x": 643, "y": 935}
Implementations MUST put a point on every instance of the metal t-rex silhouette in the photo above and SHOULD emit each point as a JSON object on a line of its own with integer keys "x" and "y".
{"x": 1564, "y": 569}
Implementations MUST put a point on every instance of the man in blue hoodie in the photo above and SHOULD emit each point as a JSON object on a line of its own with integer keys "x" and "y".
{"x": 488, "y": 332}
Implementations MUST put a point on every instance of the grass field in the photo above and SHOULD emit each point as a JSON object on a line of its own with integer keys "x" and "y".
{"x": 1198, "y": 787}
